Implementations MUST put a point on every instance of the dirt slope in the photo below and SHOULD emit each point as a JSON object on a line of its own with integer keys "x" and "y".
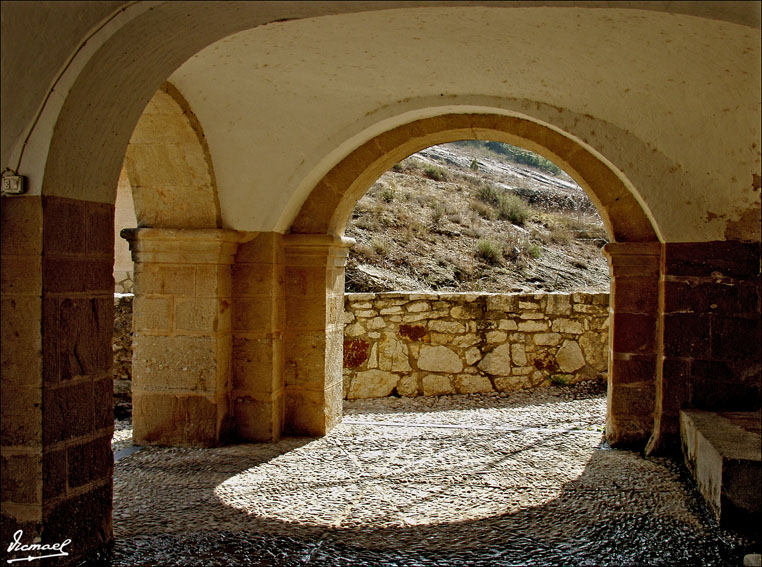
{"x": 456, "y": 218}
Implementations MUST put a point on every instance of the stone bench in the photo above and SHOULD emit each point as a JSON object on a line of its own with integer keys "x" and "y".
{"x": 723, "y": 453}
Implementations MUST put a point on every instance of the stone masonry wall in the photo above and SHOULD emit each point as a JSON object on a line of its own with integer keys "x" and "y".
{"x": 413, "y": 344}
{"x": 431, "y": 344}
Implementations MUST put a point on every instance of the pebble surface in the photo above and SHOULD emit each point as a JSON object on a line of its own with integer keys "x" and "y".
{"x": 501, "y": 479}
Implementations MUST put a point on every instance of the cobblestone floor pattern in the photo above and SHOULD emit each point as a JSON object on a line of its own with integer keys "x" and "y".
{"x": 520, "y": 479}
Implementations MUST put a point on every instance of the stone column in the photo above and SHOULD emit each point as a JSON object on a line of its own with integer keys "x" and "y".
{"x": 314, "y": 331}
{"x": 57, "y": 409}
{"x": 633, "y": 341}
{"x": 182, "y": 340}
{"x": 258, "y": 321}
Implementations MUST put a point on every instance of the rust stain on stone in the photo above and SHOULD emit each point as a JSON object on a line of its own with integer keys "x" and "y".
{"x": 413, "y": 332}
{"x": 355, "y": 352}
{"x": 545, "y": 364}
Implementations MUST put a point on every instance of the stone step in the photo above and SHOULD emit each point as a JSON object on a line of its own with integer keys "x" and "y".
{"x": 724, "y": 454}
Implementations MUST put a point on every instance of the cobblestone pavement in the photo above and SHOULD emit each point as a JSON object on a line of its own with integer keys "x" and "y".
{"x": 520, "y": 479}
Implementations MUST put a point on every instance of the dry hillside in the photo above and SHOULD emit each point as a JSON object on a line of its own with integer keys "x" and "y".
{"x": 461, "y": 217}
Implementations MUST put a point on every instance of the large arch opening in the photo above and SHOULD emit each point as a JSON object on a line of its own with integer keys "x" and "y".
{"x": 176, "y": 354}
{"x": 633, "y": 306}
{"x": 330, "y": 203}
{"x": 476, "y": 216}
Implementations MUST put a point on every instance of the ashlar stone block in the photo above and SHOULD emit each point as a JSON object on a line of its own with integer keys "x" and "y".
{"x": 372, "y": 384}
{"x": 533, "y": 326}
{"x": 408, "y": 385}
{"x": 547, "y": 339}
{"x": 447, "y": 327}
{"x": 466, "y": 384}
{"x": 567, "y": 326}
{"x": 436, "y": 385}
{"x": 393, "y": 355}
{"x": 558, "y": 304}
{"x": 496, "y": 336}
{"x": 439, "y": 359}
{"x": 518, "y": 354}
{"x": 569, "y": 357}
{"x": 497, "y": 362}
{"x": 595, "y": 349}
{"x": 473, "y": 355}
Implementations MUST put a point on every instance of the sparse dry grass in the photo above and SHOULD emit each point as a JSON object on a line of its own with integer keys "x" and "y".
{"x": 489, "y": 251}
{"x": 418, "y": 229}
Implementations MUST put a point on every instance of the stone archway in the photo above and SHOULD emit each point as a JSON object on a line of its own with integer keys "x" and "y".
{"x": 634, "y": 256}
{"x": 331, "y": 201}
{"x": 167, "y": 179}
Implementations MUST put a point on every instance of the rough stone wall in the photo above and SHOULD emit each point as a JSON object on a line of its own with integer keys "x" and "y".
{"x": 123, "y": 282}
{"x": 122, "y": 346}
{"x": 416, "y": 344}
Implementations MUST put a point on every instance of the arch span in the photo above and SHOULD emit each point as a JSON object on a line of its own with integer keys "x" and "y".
{"x": 329, "y": 205}
{"x": 634, "y": 256}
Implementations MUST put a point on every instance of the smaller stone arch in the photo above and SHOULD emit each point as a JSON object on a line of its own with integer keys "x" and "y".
{"x": 634, "y": 255}
{"x": 169, "y": 166}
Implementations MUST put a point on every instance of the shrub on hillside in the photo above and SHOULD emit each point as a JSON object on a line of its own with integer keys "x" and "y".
{"x": 388, "y": 194}
{"x": 380, "y": 247}
{"x": 484, "y": 211}
{"x": 489, "y": 251}
{"x": 435, "y": 173}
{"x": 437, "y": 212}
{"x": 368, "y": 222}
{"x": 513, "y": 208}
{"x": 454, "y": 217}
{"x": 560, "y": 235}
{"x": 489, "y": 194}
{"x": 581, "y": 230}
{"x": 533, "y": 250}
